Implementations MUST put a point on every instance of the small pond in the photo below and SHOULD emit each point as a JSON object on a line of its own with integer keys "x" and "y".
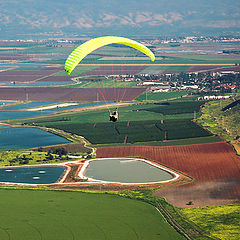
{"x": 18, "y": 138}
{"x": 125, "y": 171}
{"x": 31, "y": 175}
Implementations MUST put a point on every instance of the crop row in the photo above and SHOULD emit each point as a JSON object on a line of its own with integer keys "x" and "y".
{"x": 169, "y": 108}
{"x": 134, "y": 131}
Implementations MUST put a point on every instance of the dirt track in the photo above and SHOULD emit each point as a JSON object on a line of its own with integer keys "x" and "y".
{"x": 214, "y": 166}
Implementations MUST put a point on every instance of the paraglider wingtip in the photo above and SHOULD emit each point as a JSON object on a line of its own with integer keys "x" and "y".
{"x": 67, "y": 71}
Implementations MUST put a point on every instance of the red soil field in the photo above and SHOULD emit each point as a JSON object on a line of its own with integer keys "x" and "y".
{"x": 68, "y": 94}
{"x": 215, "y": 168}
{"x": 202, "y": 68}
{"x": 212, "y": 69}
{"x": 24, "y": 76}
{"x": 115, "y": 70}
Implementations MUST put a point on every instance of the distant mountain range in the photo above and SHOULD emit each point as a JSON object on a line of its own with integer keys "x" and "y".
{"x": 126, "y": 17}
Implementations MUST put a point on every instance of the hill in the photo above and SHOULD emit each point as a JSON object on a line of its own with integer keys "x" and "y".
{"x": 21, "y": 18}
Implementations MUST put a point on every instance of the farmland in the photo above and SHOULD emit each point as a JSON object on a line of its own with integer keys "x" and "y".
{"x": 221, "y": 222}
{"x": 160, "y": 122}
{"x": 134, "y": 131}
{"x": 164, "y": 96}
{"x": 68, "y": 94}
{"x": 73, "y": 215}
{"x": 155, "y": 126}
{"x": 176, "y": 107}
{"x": 214, "y": 166}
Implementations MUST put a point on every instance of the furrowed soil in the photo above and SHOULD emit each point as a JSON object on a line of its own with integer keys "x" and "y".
{"x": 215, "y": 168}
{"x": 69, "y": 94}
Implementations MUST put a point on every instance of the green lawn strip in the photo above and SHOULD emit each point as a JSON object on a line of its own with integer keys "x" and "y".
{"x": 186, "y": 141}
{"x": 197, "y": 59}
{"x": 27, "y": 68}
{"x": 66, "y": 214}
{"x": 218, "y": 222}
{"x": 110, "y": 84}
{"x": 158, "y": 68}
{"x": 162, "y": 96}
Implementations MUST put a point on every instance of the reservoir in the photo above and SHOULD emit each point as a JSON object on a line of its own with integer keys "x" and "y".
{"x": 19, "y": 138}
{"x": 31, "y": 175}
{"x": 125, "y": 171}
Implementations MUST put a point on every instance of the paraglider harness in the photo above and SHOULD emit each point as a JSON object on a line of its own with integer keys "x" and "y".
{"x": 114, "y": 116}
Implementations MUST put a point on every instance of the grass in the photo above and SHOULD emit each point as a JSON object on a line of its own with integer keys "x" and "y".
{"x": 69, "y": 215}
{"x": 187, "y": 141}
{"x": 218, "y": 222}
{"x": 152, "y": 69}
{"x": 105, "y": 84}
{"x": 127, "y": 113}
{"x": 162, "y": 96}
{"x": 27, "y": 157}
{"x": 223, "y": 123}
{"x": 176, "y": 107}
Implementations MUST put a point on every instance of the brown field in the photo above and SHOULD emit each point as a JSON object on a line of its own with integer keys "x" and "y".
{"x": 212, "y": 69}
{"x": 24, "y": 76}
{"x": 68, "y": 94}
{"x": 115, "y": 70}
{"x": 214, "y": 166}
{"x": 201, "y": 68}
{"x": 69, "y": 147}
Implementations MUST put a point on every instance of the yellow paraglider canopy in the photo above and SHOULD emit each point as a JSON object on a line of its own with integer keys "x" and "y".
{"x": 83, "y": 50}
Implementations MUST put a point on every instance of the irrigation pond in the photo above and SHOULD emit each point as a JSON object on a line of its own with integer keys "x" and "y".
{"x": 20, "y": 138}
{"x": 126, "y": 171}
{"x": 31, "y": 175}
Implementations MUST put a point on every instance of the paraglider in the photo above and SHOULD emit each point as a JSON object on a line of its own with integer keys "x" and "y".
{"x": 89, "y": 46}
{"x": 84, "y": 49}
{"x": 114, "y": 116}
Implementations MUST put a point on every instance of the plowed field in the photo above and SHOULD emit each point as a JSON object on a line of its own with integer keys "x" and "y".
{"x": 214, "y": 166}
{"x": 69, "y": 94}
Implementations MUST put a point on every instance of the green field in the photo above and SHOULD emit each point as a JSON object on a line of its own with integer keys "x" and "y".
{"x": 176, "y": 107}
{"x": 132, "y": 131}
{"x": 158, "y": 68}
{"x": 104, "y": 84}
{"x": 62, "y": 215}
{"x": 163, "y": 96}
{"x": 173, "y": 122}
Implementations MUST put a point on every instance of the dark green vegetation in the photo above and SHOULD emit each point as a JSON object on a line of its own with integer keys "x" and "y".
{"x": 135, "y": 131}
{"x": 159, "y": 122}
{"x": 225, "y": 123}
{"x": 28, "y": 157}
{"x": 169, "y": 108}
{"x": 73, "y": 215}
